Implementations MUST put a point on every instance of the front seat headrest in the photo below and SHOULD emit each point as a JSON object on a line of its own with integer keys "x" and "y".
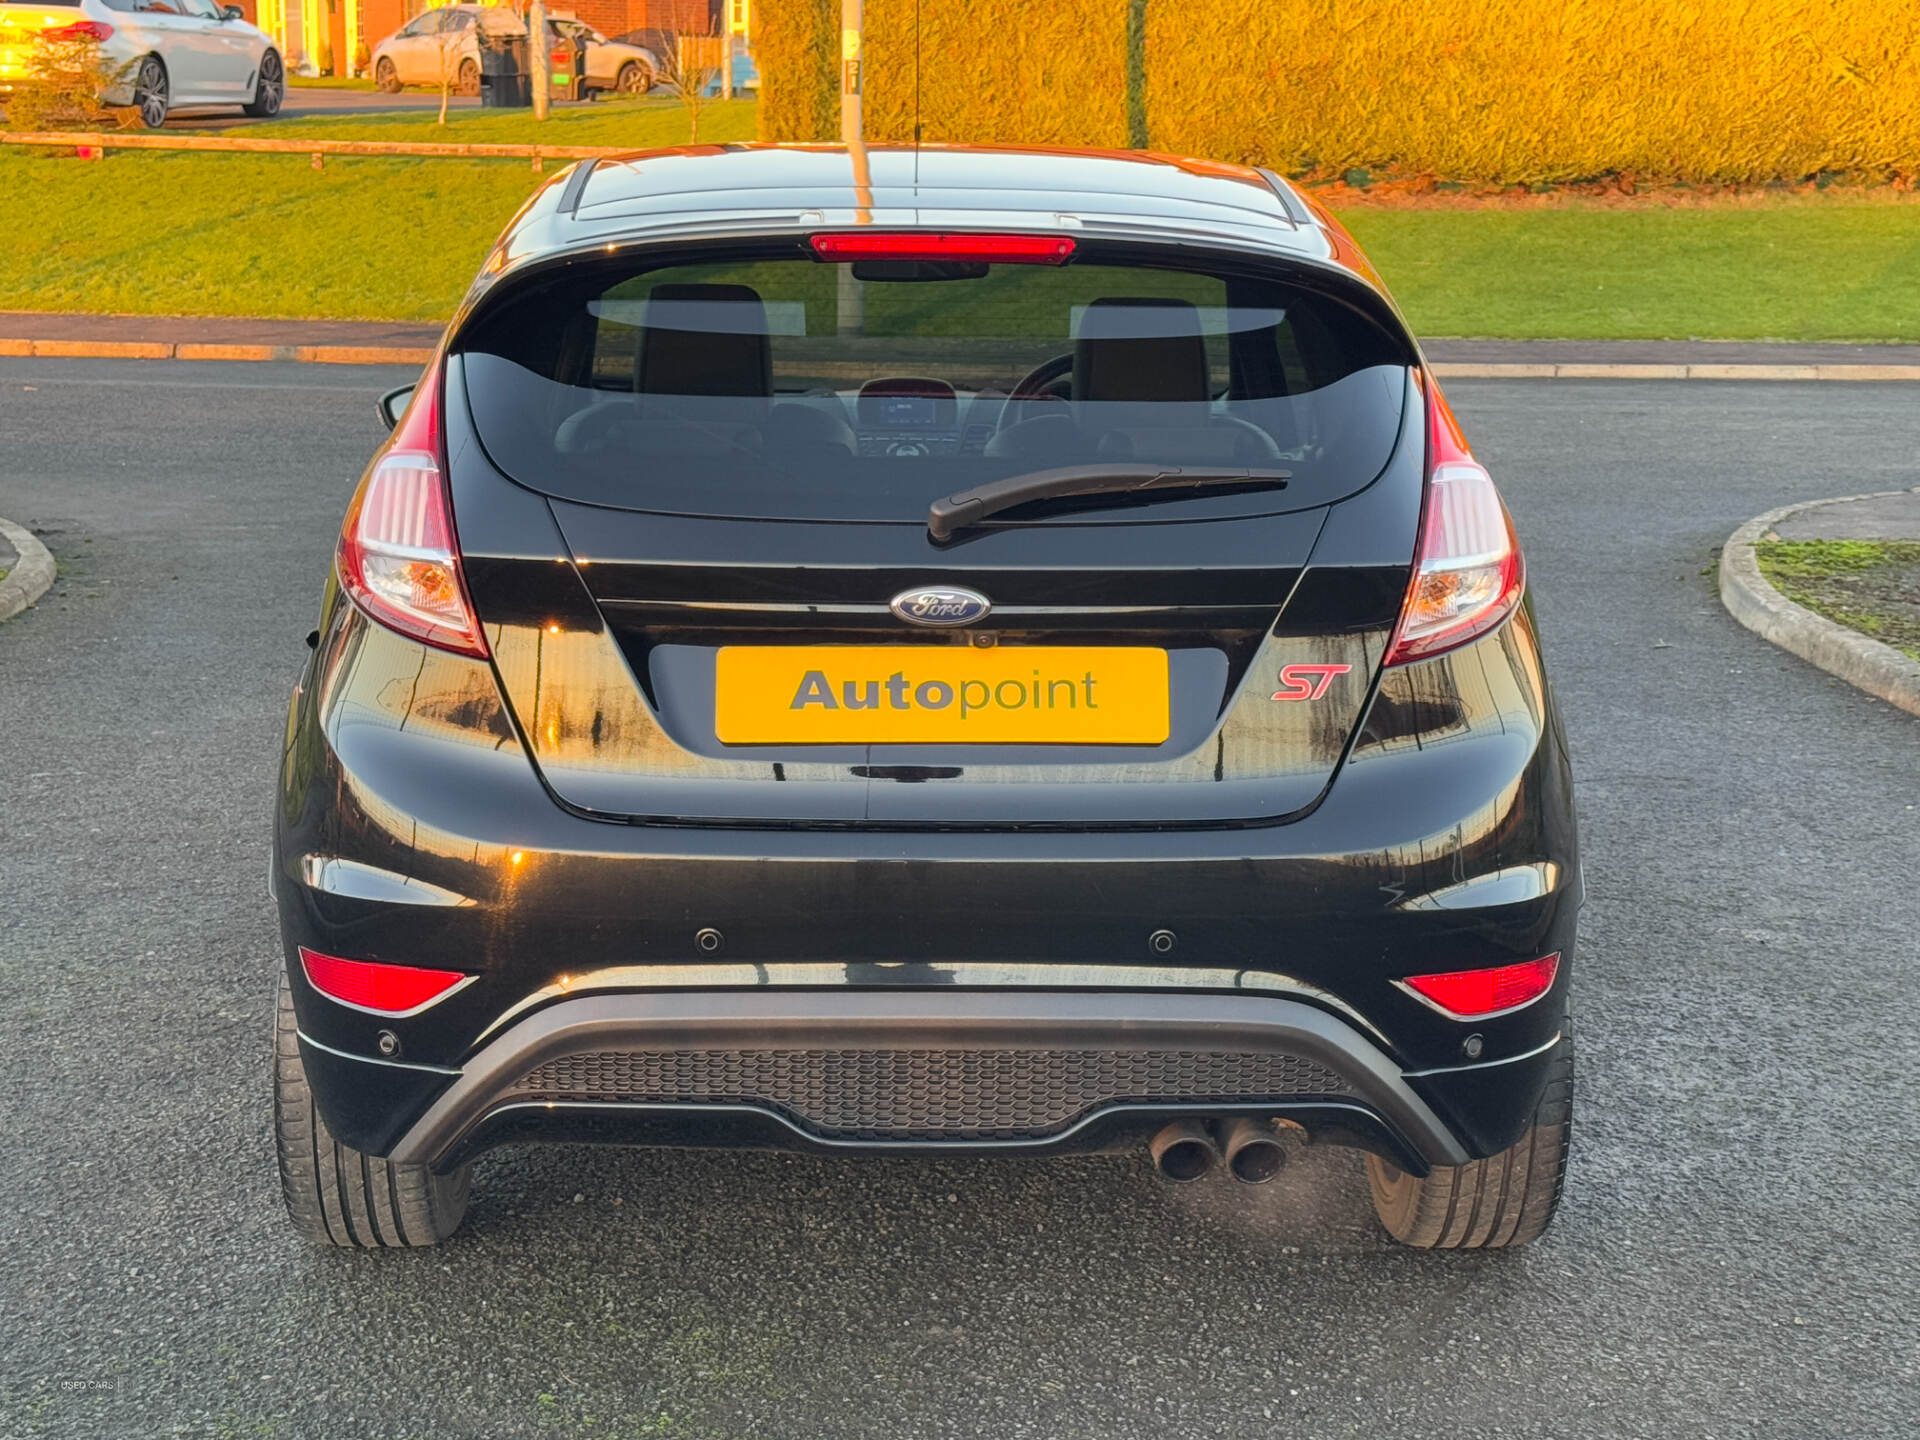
{"x": 704, "y": 340}
{"x": 1140, "y": 349}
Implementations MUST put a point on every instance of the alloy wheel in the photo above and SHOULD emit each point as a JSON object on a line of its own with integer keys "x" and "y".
{"x": 150, "y": 93}
{"x": 271, "y": 88}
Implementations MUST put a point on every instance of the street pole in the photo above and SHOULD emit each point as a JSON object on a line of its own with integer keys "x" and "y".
{"x": 726, "y": 51}
{"x": 851, "y": 316}
{"x": 537, "y": 56}
{"x": 850, "y": 72}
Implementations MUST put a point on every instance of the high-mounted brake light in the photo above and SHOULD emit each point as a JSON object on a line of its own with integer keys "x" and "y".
{"x": 910, "y": 245}
{"x": 383, "y": 989}
{"x": 1477, "y": 994}
{"x": 1470, "y": 575}
{"x": 398, "y": 557}
{"x": 80, "y": 30}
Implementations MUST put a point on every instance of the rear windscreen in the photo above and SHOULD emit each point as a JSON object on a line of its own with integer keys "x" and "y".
{"x": 795, "y": 388}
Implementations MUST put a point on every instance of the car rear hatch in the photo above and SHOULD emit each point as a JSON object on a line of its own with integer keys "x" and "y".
{"x": 695, "y": 522}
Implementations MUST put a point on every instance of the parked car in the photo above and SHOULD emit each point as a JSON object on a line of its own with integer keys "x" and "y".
{"x": 163, "y": 54}
{"x": 613, "y": 66}
{"x": 746, "y": 75}
{"x": 440, "y": 45}
{"x": 1090, "y": 702}
{"x": 450, "y": 35}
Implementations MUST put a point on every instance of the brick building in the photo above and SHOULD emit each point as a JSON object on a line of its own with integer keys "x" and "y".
{"x": 335, "y": 37}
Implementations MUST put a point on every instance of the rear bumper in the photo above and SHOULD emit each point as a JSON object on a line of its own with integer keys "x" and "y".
{"x": 1027, "y": 1072}
{"x": 413, "y": 828}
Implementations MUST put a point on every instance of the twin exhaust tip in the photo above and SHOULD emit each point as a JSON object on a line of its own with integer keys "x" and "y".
{"x": 1255, "y": 1150}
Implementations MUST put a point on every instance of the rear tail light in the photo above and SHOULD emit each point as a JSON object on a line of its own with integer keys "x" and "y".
{"x": 1469, "y": 576}
{"x": 81, "y": 30}
{"x": 897, "y": 245}
{"x": 398, "y": 556}
{"x": 1476, "y": 994}
{"x": 383, "y": 989}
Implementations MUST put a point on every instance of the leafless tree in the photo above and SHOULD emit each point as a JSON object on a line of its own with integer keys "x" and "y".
{"x": 447, "y": 45}
{"x": 687, "y": 70}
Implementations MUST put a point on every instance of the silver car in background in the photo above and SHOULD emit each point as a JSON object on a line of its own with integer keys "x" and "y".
{"x": 162, "y": 54}
{"x": 443, "y": 45}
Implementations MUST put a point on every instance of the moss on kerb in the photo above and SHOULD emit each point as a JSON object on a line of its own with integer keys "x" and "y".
{"x": 1872, "y": 586}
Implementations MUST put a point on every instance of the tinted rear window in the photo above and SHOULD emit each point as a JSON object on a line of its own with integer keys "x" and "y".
{"x": 792, "y": 388}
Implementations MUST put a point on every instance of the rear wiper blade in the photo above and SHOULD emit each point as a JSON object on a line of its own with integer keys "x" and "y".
{"x": 969, "y": 507}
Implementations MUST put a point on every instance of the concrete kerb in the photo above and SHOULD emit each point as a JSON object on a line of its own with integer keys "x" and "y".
{"x": 31, "y": 574}
{"x": 1470, "y": 370}
{"x": 1875, "y": 668}
{"x": 189, "y": 350}
{"x": 284, "y": 342}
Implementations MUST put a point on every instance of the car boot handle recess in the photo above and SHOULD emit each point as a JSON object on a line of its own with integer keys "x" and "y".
{"x": 969, "y": 507}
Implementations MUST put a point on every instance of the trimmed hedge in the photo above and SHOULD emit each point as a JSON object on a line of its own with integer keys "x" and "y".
{"x": 796, "y": 48}
{"x": 1008, "y": 72}
{"x": 1511, "y": 91}
{"x": 1481, "y": 91}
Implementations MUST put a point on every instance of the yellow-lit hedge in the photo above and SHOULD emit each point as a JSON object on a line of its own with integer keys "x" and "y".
{"x": 1512, "y": 90}
{"x": 1012, "y": 72}
{"x": 1471, "y": 90}
{"x": 796, "y": 48}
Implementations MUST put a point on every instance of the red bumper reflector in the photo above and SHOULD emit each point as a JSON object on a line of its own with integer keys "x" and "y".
{"x": 387, "y": 989}
{"x": 1472, "y": 993}
{"x": 910, "y": 245}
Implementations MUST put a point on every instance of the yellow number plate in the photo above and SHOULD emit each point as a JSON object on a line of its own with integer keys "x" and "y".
{"x": 940, "y": 694}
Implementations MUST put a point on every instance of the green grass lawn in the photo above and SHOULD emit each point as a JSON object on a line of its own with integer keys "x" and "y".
{"x": 327, "y": 82}
{"x": 643, "y": 124}
{"x": 384, "y": 239}
{"x": 1799, "y": 268}
{"x": 250, "y": 234}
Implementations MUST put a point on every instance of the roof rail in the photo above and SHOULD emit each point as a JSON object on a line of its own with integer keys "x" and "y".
{"x": 576, "y": 186}
{"x": 1289, "y": 201}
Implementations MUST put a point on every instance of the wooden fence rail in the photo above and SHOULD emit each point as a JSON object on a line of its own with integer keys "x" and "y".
{"x": 126, "y": 140}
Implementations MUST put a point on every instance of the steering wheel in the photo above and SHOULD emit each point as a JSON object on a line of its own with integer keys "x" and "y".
{"x": 1043, "y": 382}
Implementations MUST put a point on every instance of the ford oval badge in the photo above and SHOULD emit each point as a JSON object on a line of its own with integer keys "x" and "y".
{"x": 941, "y": 605}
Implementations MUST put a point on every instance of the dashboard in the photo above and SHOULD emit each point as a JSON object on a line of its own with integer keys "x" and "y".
{"x": 907, "y": 416}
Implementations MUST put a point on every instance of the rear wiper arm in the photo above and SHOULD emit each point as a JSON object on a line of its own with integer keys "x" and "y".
{"x": 969, "y": 507}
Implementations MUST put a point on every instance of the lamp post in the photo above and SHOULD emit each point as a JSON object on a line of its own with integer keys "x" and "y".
{"x": 538, "y": 58}
{"x": 850, "y": 317}
{"x": 850, "y": 72}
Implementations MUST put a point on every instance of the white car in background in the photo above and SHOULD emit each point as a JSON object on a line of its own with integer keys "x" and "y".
{"x": 163, "y": 54}
{"x": 612, "y": 65}
{"x": 449, "y": 36}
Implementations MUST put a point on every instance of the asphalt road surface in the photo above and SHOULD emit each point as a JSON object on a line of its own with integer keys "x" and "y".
{"x": 1737, "y": 1254}
{"x": 306, "y": 102}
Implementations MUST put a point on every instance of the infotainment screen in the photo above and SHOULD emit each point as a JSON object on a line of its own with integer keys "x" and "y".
{"x": 907, "y": 404}
{"x": 906, "y": 410}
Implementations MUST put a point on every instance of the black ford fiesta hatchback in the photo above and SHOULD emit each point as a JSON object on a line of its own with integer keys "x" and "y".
{"x": 958, "y": 651}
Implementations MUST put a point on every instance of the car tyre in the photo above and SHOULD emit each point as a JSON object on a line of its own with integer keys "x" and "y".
{"x": 467, "y": 81}
{"x": 386, "y": 79}
{"x": 269, "y": 90}
{"x": 634, "y": 79}
{"x": 337, "y": 1195}
{"x": 1505, "y": 1200}
{"x": 151, "y": 98}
